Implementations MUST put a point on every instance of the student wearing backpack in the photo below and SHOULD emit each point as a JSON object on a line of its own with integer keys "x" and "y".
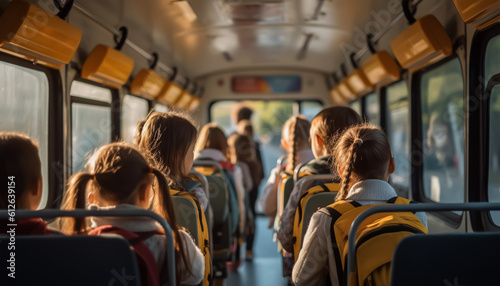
{"x": 295, "y": 140}
{"x": 364, "y": 162}
{"x": 20, "y": 169}
{"x": 242, "y": 153}
{"x": 326, "y": 128}
{"x": 212, "y": 144}
{"x": 119, "y": 177}
{"x": 168, "y": 139}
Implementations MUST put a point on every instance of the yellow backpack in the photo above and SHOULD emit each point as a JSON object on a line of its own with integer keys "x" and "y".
{"x": 376, "y": 240}
{"x": 300, "y": 222}
{"x": 203, "y": 232}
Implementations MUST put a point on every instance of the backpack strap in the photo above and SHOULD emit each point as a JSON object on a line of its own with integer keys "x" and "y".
{"x": 338, "y": 263}
{"x": 336, "y": 210}
{"x": 401, "y": 200}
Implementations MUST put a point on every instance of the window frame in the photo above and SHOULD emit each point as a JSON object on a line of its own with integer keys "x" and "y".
{"x": 115, "y": 110}
{"x": 416, "y": 137}
{"x": 56, "y": 178}
{"x": 479, "y": 126}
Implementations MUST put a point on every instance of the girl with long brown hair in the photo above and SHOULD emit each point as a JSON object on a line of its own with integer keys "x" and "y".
{"x": 119, "y": 177}
{"x": 326, "y": 128}
{"x": 169, "y": 139}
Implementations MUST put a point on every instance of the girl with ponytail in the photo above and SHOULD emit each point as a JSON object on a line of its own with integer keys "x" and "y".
{"x": 119, "y": 177}
{"x": 363, "y": 160}
{"x": 326, "y": 127}
{"x": 295, "y": 140}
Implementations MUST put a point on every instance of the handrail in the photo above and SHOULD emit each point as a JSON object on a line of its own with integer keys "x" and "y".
{"x": 432, "y": 207}
{"x": 4, "y": 214}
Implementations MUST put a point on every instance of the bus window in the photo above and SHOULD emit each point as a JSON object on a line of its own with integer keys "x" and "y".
{"x": 443, "y": 137}
{"x": 398, "y": 127}
{"x": 90, "y": 121}
{"x": 133, "y": 109}
{"x": 356, "y": 105}
{"x": 494, "y": 155}
{"x": 492, "y": 58}
{"x": 310, "y": 108}
{"x": 268, "y": 119}
{"x": 25, "y": 108}
{"x": 373, "y": 109}
{"x": 161, "y": 108}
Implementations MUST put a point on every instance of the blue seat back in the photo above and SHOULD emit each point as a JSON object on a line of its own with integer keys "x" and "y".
{"x": 69, "y": 260}
{"x": 447, "y": 259}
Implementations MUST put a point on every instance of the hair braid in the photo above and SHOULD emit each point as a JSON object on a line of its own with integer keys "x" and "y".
{"x": 356, "y": 144}
{"x": 292, "y": 148}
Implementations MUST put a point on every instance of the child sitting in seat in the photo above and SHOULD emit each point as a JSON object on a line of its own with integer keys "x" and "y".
{"x": 212, "y": 144}
{"x": 295, "y": 140}
{"x": 169, "y": 139}
{"x": 326, "y": 128}
{"x": 119, "y": 177}
{"x": 20, "y": 168}
{"x": 363, "y": 160}
{"x": 241, "y": 152}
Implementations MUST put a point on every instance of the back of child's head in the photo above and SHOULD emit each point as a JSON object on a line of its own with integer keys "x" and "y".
{"x": 330, "y": 122}
{"x": 115, "y": 172}
{"x": 241, "y": 148}
{"x": 296, "y": 134}
{"x": 212, "y": 137}
{"x": 362, "y": 152}
{"x": 245, "y": 127}
{"x": 19, "y": 165}
{"x": 241, "y": 112}
{"x": 166, "y": 138}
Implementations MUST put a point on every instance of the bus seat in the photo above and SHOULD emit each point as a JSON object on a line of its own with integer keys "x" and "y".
{"x": 447, "y": 259}
{"x": 69, "y": 260}
{"x": 312, "y": 204}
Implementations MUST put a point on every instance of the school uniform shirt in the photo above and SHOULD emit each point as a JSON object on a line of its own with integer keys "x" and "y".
{"x": 316, "y": 259}
{"x": 317, "y": 166}
{"x": 237, "y": 172}
{"x": 269, "y": 198}
{"x": 157, "y": 243}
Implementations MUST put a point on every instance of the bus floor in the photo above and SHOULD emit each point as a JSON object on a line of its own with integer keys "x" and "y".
{"x": 265, "y": 269}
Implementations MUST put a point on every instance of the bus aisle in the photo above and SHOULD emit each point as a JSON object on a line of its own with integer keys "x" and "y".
{"x": 265, "y": 268}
